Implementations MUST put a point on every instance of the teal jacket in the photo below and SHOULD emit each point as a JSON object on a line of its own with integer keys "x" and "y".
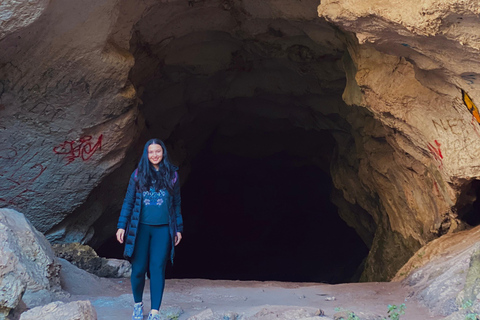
{"x": 130, "y": 215}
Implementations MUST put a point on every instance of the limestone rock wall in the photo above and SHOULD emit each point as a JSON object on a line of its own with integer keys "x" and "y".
{"x": 411, "y": 65}
{"x": 412, "y": 62}
{"x": 67, "y": 109}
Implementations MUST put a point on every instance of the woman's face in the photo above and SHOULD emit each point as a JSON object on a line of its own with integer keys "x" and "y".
{"x": 155, "y": 154}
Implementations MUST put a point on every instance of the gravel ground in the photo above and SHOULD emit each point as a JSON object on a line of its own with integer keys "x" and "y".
{"x": 222, "y": 299}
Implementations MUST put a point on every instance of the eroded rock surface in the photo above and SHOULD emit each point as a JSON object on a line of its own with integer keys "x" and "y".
{"x": 77, "y": 310}
{"x": 67, "y": 108}
{"x": 27, "y": 262}
{"x": 444, "y": 274}
{"x": 405, "y": 71}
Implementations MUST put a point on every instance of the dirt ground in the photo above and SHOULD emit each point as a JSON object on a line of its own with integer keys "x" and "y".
{"x": 112, "y": 298}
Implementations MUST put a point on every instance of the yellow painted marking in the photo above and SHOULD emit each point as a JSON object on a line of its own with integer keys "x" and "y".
{"x": 471, "y": 106}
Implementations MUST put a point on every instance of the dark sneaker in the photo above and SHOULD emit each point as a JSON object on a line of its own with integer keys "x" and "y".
{"x": 137, "y": 311}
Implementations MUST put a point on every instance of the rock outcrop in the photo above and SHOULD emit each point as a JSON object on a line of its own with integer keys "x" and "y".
{"x": 76, "y": 310}
{"x": 27, "y": 262}
{"x": 427, "y": 154}
{"x": 84, "y": 257}
{"x": 444, "y": 274}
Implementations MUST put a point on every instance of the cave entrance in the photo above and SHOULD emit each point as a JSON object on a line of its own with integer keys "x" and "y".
{"x": 252, "y": 112}
{"x": 266, "y": 218}
{"x": 256, "y": 198}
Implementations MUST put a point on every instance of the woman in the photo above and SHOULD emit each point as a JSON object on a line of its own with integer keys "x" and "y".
{"x": 151, "y": 215}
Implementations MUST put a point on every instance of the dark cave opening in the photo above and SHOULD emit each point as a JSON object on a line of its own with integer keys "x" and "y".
{"x": 263, "y": 219}
{"x": 468, "y": 206}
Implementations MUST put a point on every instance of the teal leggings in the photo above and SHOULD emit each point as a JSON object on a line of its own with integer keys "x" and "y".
{"x": 152, "y": 247}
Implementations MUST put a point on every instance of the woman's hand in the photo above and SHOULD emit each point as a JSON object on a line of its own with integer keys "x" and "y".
{"x": 120, "y": 235}
{"x": 178, "y": 238}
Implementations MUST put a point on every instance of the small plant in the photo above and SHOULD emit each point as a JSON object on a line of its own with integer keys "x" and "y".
{"x": 170, "y": 314}
{"x": 467, "y": 306}
{"x": 471, "y": 316}
{"x": 394, "y": 311}
{"x": 352, "y": 316}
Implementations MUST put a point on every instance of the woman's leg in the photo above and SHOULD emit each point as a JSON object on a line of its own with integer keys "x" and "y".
{"x": 140, "y": 261}
{"x": 159, "y": 253}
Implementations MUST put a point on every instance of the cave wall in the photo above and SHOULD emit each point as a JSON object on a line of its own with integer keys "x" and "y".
{"x": 67, "y": 109}
{"x": 405, "y": 69}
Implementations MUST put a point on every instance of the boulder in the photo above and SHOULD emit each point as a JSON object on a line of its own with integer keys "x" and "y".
{"x": 76, "y": 310}
{"x": 27, "y": 261}
{"x": 76, "y": 281}
{"x": 84, "y": 257}
{"x": 444, "y": 274}
{"x": 117, "y": 268}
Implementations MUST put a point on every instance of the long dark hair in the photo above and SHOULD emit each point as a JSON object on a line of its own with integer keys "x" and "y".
{"x": 147, "y": 176}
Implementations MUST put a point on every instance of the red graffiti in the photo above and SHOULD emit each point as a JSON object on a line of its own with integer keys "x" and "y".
{"x": 8, "y": 153}
{"x": 83, "y": 148}
{"x": 18, "y": 182}
{"x": 436, "y": 152}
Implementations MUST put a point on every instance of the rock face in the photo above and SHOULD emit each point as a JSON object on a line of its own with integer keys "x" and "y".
{"x": 77, "y": 310}
{"x": 27, "y": 260}
{"x": 67, "y": 109}
{"x": 444, "y": 274}
{"x": 380, "y": 101}
{"x": 427, "y": 153}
